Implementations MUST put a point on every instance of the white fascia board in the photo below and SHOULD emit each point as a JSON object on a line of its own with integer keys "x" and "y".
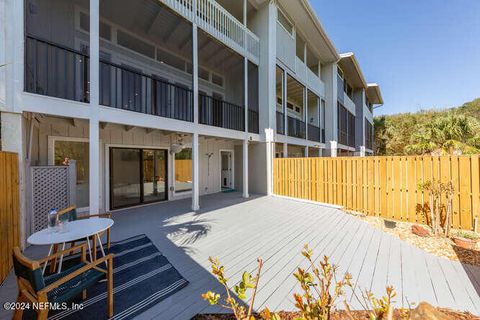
{"x": 55, "y": 106}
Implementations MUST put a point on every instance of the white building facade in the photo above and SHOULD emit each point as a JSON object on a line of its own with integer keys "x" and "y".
{"x": 158, "y": 100}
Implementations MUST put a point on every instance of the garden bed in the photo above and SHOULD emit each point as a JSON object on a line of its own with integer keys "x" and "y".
{"x": 439, "y": 246}
{"x": 340, "y": 315}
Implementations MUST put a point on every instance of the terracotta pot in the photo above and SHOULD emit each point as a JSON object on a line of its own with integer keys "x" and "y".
{"x": 465, "y": 243}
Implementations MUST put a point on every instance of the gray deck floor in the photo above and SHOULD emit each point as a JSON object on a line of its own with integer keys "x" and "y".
{"x": 238, "y": 231}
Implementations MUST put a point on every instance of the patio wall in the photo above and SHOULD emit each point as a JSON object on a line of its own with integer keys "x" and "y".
{"x": 121, "y": 136}
{"x": 383, "y": 186}
{"x": 9, "y": 210}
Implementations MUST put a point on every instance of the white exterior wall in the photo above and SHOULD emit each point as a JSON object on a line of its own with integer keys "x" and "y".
{"x": 118, "y": 136}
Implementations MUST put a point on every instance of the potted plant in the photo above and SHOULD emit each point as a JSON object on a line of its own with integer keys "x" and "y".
{"x": 465, "y": 239}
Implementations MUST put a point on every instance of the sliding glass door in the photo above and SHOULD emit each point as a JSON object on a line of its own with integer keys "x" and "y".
{"x": 137, "y": 176}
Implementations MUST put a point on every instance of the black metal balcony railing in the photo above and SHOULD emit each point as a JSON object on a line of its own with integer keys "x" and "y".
{"x": 219, "y": 113}
{"x": 56, "y": 71}
{"x": 280, "y": 123}
{"x": 124, "y": 88}
{"x": 253, "y": 121}
{"x": 296, "y": 128}
{"x": 313, "y": 133}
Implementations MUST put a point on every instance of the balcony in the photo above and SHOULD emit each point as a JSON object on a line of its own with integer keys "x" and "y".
{"x": 219, "y": 113}
{"x": 314, "y": 133}
{"x": 131, "y": 90}
{"x": 57, "y": 71}
{"x": 218, "y": 22}
{"x": 280, "y": 123}
{"x": 296, "y": 128}
{"x": 44, "y": 59}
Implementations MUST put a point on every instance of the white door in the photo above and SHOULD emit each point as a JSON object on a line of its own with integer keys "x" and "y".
{"x": 226, "y": 167}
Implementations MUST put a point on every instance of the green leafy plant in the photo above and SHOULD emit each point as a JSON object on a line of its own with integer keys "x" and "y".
{"x": 467, "y": 235}
{"x": 321, "y": 291}
{"x": 247, "y": 283}
{"x": 320, "y": 288}
{"x": 437, "y": 191}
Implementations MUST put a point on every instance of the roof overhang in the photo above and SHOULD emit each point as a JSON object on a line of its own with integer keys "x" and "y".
{"x": 308, "y": 25}
{"x": 374, "y": 94}
{"x": 351, "y": 68}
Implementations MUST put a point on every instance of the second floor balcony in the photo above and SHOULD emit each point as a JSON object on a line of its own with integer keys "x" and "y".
{"x": 144, "y": 67}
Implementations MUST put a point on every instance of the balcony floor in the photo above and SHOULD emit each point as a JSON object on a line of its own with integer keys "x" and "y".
{"x": 238, "y": 231}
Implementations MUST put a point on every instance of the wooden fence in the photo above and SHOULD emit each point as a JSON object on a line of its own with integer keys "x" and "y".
{"x": 9, "y": 210}
{"x": 383, "y": 186}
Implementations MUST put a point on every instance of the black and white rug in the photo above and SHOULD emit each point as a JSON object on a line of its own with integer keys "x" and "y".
{"x": 142, "y": 277}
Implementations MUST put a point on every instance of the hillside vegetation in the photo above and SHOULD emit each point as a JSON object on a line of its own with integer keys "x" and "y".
{"x": 452, "y": 131}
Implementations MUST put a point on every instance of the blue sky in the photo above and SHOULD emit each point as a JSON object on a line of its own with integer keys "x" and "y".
{"x": 424, "y": 53}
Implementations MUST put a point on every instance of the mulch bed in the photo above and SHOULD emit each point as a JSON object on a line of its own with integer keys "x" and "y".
{"x": 338, "y": 315}
{"x": 439, "y": 246}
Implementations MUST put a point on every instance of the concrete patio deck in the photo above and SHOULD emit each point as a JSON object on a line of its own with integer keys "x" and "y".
{"x": 237, "y": 231}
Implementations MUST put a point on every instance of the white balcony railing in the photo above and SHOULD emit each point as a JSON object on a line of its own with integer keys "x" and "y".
{"x": 214, "y": 19}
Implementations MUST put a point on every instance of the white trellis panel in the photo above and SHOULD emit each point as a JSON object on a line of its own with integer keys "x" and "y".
{"x": 52, "y": 187}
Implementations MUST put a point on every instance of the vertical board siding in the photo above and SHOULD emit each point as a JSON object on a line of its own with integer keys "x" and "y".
{"x": 9, "y": 210}
{"x": 383, "y": 186}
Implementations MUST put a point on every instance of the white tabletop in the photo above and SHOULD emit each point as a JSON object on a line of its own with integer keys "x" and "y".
{"x": 74, "y": 230}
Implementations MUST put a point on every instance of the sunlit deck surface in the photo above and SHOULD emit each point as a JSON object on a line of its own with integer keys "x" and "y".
{"x": 237, "y": 231}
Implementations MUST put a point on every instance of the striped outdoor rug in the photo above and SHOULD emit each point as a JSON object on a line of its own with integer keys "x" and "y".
{"x": 142, "y": 277}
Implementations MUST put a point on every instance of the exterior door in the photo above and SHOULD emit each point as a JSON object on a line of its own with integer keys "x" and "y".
{"x": 226, "y": 170}
{"x": 137, "y": 176}
{"x": 154, "y": 175}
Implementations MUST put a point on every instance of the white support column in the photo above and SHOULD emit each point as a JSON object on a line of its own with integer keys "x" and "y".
{"x": 362, "y": 151}
{"x": 285, "y": 150}
{"x": 94, "y": 125}
{"x": 269, "y": 145}
{"x": 195, "y": 173}
{"x": 245, "y": 14}
{"x": 245, "y": 93}
{"x": 245, "y": 169}
{"x": 305, "y": 107}
{"x": 306, "y": 152}
{"x": 333, "y": 149}
{"x": 284, "y": 100}
{"x": 195, "y": 70}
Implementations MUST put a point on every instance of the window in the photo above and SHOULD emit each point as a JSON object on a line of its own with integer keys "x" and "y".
{"x": 368, "y": 135}
{"x": 135, "y": 44}
{"x": 279, "y": 88}
{"x": 203, "y": 74}
{"x": 105, "y": 29}
{"x": 283, "y": 20}
{"x": 64, "y": 151}
{"x": 170, "y": 59}
{"x": 346, "y": 126}
{"x": 216, "y": 79}
{"x": 183, "y": 170}
{"x": 300, "y": 43}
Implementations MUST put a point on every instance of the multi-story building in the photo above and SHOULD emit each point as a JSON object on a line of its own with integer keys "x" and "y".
{"x": 165, "y": 99}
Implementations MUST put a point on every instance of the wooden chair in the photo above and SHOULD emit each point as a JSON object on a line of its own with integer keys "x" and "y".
{"x": 70, "y": 214}
{"x": 33, "y": 287}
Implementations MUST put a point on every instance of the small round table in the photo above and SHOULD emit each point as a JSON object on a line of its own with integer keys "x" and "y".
{"x": 73, "y": 231}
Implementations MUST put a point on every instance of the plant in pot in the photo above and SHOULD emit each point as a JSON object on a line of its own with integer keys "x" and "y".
{"x": 465, "y": 239}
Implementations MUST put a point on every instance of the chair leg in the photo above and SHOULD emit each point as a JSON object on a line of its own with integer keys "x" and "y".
{"x": 42, "y": 314}
{"x": 94, "y": 245}
{"x": 53, "y": 263}
{"x": 110, "y": 288}
{"x": 18, "y": 315}
{"x": 108, "y": 238}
